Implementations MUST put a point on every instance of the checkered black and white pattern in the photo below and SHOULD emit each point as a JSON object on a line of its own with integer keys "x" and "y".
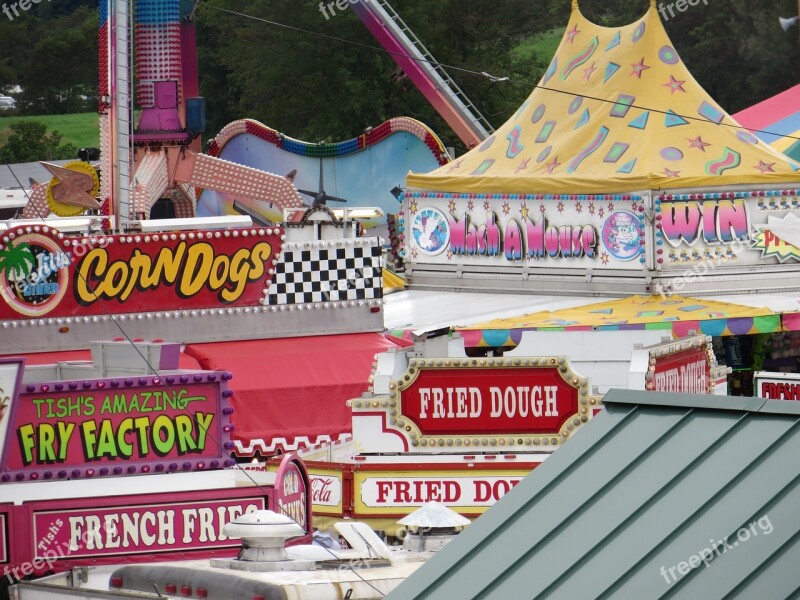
{"x": 327, "y": 275}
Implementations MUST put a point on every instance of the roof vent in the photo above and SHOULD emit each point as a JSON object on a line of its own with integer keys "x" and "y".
{"x": 263, "y": 534}
{"x": 431, "y": 527}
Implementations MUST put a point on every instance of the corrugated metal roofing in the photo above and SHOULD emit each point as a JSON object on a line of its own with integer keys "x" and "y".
{"x": 631, "y": 505}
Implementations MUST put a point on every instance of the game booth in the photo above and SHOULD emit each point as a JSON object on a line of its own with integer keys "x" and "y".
{"x": 620, "y": 183}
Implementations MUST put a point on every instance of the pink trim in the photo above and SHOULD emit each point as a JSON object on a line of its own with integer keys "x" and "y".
{"x": 771, "y": 110}
{"x": 415, "y": 73}
{"x": 365, "y": 140}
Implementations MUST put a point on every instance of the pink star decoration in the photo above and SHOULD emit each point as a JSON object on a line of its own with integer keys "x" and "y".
{"x": 674, "y": 85}
{"x": 573, "y": 33}
{"x": 553, "y": 165}
{"x": 522, "y": 166}
{"x": 639, "y": 68}
{"x": 698, "y": 143}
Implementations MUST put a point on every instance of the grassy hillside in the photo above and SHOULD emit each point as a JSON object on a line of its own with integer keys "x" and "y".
{"x": 538, "y": 48}
{"x": 81, "y": 129}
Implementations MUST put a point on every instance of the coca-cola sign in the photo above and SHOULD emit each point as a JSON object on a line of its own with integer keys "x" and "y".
{"x": 326, "y": 491}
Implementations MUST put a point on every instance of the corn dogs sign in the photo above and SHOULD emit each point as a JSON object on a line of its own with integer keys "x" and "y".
{"x": 43, "y": 272}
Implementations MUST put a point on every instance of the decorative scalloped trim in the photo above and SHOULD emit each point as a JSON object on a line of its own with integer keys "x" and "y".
{"x": 369, "y": 138}
{"x": 286, "y": 445}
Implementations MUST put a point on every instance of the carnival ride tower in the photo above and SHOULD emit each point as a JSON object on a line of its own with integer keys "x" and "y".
{"x": 158, "y": 156}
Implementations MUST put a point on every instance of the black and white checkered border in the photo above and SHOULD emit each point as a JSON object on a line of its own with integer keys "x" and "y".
{"x": 336, "y": 273}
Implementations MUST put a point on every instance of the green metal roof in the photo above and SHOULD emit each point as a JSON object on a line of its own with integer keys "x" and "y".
{"x": 631, "y": 505}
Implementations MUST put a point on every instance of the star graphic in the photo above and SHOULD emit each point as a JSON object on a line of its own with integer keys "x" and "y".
{"x": 634, "y": 206}
{"x": 639, "y": 68}
{"x": 452, "y": 206}
{"x": 560, "y": 207}
{"x": 522, "y": 166}
{"x": 578, "y": 207}
{"x": 591, "y": 208}
{"x": 573, "y": 33}
{"x": 449, "y": 255}
{"x": 765, "y": 167}
{"x": 604, "y": 258}
{"x": 413, "y": 206}
{"x": 698, "y": 143}
{"x": 506, "y": 208}
{"x": 524, "y": 210}
{"x": 414, "y": 253}
{"x": 674, "y": 85}
{"x": 486, "y": 205}
{"x": 601, "y": 212}
{"x": 670, "y": 173}
{"x": 552, "y": 165}
{"x": 542, "y": 209}
{"x": 610, "y": 207}
{"x": 73, "y": 187}
{"x": 588, "y": 71}
{"x": 456, "y": 165}
{"x": 470, "y": 205}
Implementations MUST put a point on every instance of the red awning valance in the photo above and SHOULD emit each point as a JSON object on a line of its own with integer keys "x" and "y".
{"x": 292, "y": 392}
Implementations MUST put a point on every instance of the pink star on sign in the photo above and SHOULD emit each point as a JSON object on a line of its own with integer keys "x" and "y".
{"x": 639, "y": 68}
{"x": 506, "y": 208}
{"x": 587, "y": 72}
{"x": 670, "y": 173}
{"x": 765, "y": 167}
{"x": 572, "y": 34}
{"x": 455, "y": 166}
{"x": 674, "y": 85}
{"x": 522, "y": 166}
{"x": 552, "y": 165}
{"x": 698, "y": 143}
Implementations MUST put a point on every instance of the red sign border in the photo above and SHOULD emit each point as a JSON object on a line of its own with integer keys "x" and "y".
{"x": 669, "y": 349}
{"x": 230, "y": 543}
{"x": 25, "y": 549}
{"x": 399, "y": 424}
{"x": 102, "y": 308}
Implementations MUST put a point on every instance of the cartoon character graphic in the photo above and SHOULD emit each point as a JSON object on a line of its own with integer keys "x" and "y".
{"x": 622, "y": 235}
{"x": 430, "y": 231}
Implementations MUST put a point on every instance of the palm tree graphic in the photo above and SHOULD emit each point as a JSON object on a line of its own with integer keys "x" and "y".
{"x": 16, "y": 262}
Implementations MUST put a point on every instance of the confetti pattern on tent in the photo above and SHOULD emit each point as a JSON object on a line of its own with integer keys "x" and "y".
{"x": 617, "y": 110}
{"x": 678, "y": 315}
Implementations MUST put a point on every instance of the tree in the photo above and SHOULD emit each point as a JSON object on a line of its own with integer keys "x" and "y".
{"x": 30, "y": 142}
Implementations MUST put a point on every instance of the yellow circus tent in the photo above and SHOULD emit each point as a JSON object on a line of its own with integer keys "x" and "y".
{"x": 679, "y": 316}
{"x": 616, "y": 111}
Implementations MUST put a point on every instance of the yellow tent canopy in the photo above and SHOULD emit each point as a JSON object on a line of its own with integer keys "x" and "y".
{"x": 616, "y": 111}
{"x": 392, "y": 281}
{"x": 677, "y": 315}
